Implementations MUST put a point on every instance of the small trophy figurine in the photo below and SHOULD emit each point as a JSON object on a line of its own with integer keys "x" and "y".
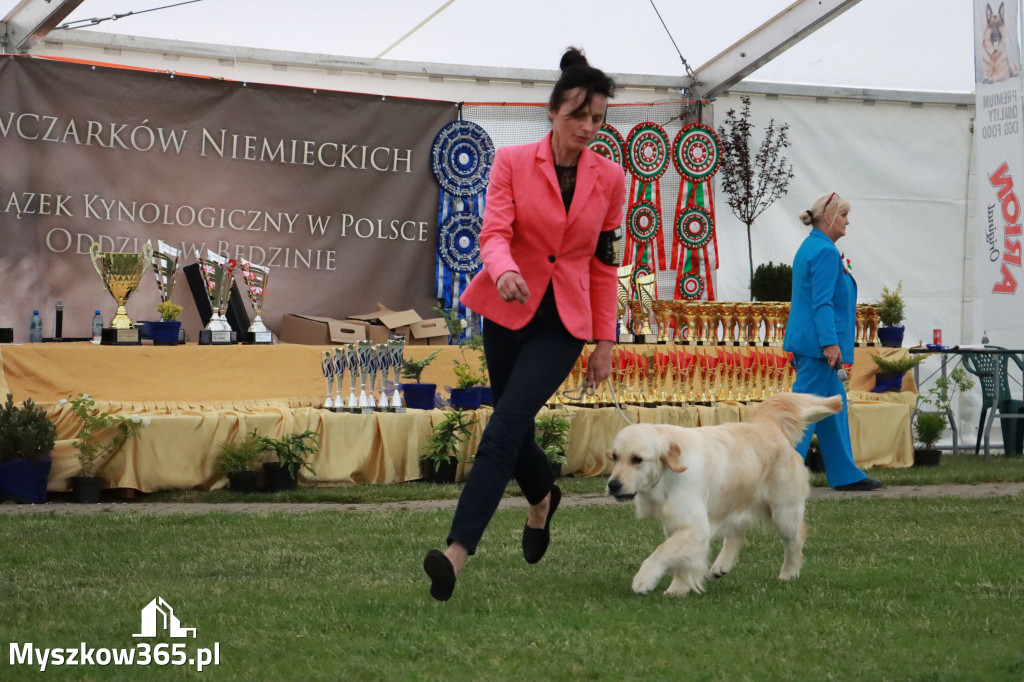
{"x": 625, "y": 277}
{"x": 382, "y": 363}
{"x": 217, "y": 273}
{"x": 396, "y": 348}
{"x": 255, "y": 277}
{"x": 327, "y": 365}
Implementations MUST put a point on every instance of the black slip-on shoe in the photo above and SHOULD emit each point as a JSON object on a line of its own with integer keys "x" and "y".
{"x": 863, "y": 485}
{"x": 442, "y": 575}
{"x": 536, "y": 540}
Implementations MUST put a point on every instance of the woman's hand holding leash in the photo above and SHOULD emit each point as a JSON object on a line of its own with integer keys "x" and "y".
{"x": 599, "y": 366}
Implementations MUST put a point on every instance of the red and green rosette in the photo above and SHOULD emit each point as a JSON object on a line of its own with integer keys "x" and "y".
{"x": 646, "y": 158}
{"x": 695, "y": 153}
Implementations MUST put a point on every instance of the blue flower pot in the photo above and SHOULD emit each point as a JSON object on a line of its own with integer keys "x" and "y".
{"x": 24, "y": 480}
{"x": 891, "y": 337}
{"x": 164, "y": 333}
{"x": 486, "y": 396}
{"x": 465, "y": 398}
{"x": 419, "y": 396}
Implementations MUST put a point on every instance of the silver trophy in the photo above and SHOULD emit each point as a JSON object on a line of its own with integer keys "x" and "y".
{"x": 217, "y": 272}
{"x": 364, "y": 351}
{"x": 383, "y": 364}
{"x": 255, "y": 278}
{"x": 340, "y": 362}
{"x": 352, "y": 360}
{"x": 327, "y": 365}
{"x": 396, "y": 349}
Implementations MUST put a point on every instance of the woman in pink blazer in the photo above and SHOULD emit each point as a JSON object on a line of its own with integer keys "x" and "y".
{"x": 547, "y": 286}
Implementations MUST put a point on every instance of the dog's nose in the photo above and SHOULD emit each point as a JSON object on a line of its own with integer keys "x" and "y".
{"x": 614, "y": 485}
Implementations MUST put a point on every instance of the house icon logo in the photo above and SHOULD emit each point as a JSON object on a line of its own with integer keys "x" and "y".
{"x": 158, "y": 615}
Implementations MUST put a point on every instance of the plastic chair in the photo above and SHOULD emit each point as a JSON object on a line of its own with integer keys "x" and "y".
{"x": 984, "y": 367}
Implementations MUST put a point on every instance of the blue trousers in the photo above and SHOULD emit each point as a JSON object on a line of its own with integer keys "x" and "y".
{"x": 526, "y": 367}
{"x": 813, "y": 375}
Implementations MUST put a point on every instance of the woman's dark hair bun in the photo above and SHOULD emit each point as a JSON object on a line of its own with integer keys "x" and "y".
{"x": 573, "y": 57}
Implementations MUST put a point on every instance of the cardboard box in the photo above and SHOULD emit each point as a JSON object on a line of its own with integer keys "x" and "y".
{"x": 383, "y": 322}
{"x": 432, "y": 332}
{"x": 319, "y": 331}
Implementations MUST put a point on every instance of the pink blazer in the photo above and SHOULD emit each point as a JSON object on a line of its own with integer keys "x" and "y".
{"x": 526, "y": 229}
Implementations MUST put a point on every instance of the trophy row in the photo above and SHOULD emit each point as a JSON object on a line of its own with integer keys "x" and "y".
{"x": 364, "y": 361}
{"x": 713, "y": 323}
{"x": 123, "y": 272}
{"x": 678, "y": 377}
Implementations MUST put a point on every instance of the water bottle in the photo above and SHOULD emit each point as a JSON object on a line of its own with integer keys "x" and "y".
{"x": 97, "y": 327}
{"x": 35, "y": 331}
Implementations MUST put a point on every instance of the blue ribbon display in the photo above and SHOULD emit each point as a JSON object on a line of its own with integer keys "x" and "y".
{"x": 461, "y": 159}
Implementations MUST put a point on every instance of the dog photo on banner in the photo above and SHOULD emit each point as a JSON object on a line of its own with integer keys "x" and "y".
{"x": 461, "y": 159}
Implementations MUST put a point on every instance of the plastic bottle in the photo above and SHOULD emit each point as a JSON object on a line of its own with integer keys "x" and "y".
{"x": 35, "y": 331}
{"x": 97, "y": 327}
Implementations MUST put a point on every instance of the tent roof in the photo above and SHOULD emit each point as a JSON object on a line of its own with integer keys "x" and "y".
{"x": 920, "y": 45}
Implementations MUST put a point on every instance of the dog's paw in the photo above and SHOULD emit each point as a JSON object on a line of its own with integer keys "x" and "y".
{"x": 677, "y": 589}
{"x": 645, "y": 580}
{"x": 789, "y": 575}
{"x": 718, "y": 573}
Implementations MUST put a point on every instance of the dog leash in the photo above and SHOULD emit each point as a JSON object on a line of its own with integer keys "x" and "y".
{"x": 580, "y": 392}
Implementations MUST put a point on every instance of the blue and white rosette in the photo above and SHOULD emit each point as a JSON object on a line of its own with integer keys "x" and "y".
{"x": 461, "y": 158}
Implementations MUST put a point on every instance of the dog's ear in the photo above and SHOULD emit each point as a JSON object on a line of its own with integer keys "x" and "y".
{"x": 671, "y": 457}
{"x": 608, "y": 454}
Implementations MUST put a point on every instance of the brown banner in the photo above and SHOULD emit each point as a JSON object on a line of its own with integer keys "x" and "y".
{"x": 333, "y": 191}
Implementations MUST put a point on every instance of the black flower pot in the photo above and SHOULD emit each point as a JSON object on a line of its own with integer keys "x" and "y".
{"x": 556, "y": 469}
{"x": 927, "y": 458}
{"x": 86, "y": 489}
{"x": 24, "y": 480}
{"x": 279, "y": 478}
{"x": 442, "y": 474}
{"x": 815, "y": 462}
{"x": 243, "y": 481}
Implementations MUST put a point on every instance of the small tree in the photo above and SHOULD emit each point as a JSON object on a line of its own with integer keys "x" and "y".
{"x": 752, "y": 183}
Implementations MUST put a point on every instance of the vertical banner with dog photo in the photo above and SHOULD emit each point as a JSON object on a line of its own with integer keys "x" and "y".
{"x": 999, "y": 131}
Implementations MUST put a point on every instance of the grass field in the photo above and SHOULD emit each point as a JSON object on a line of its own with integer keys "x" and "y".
{"x": 893, "y": 589}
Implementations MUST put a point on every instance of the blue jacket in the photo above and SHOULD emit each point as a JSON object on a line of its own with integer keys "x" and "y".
{"x": 823, "y": 310}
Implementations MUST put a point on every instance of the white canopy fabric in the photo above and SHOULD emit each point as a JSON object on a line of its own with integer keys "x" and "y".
{"x": 902, "y": 45}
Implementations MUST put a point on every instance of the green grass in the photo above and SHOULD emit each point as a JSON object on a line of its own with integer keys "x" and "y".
{"x": 959, "y": 469}
{"x": 893, "y": 589}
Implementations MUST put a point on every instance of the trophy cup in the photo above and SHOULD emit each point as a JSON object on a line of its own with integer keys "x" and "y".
{"x": 121, "y": 273}
{"x": 396, "y": 349}
{"x": 640, "y": 308}
{"x": 255, "y": 278}
{"x": 364, "y": 350}
{"x": 352, "y": 361}
{"x": 339, "y": 370}
{"x": 217, "y": 274}
{"x": 381, "y": 363}
{"x": 625, "y": 275}
{"x": 327, "y": 365}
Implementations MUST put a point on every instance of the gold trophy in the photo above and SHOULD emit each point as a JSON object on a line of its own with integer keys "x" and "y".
{"x": 217, "y": 274}
{"x": 640, "y": 309}
{"x": 255, "y": 278}
{"x": 121, "y": 273}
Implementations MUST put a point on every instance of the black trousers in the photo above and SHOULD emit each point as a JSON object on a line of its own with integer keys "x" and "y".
{"x": 526, "y": 367}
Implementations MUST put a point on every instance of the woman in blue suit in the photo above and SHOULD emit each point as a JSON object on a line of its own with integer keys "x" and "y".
{"x": 820, "y": 333}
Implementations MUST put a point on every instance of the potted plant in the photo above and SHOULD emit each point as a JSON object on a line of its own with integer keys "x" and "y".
{"x": 440, "y": 459}
{"x": 466, "y": 394}
{"x": 889, "y": 377}
{"x": 930, "y": 425}
{"x": 95, "y": 446}
{"x": 26, "y": 440}
{"x": 291, "y": 452}
{"x": 772, "y": 282}
{"x": 815, "y": 460}
{"x": 165, "y": 332}
{"x": 551, "y": 431}
{"x": 890, "y": 310}
{"x": 476, "y": 344}
{"x": 237, "y": 459}
{"x": 418, "y": 395}
{"x": 928, "y": 428}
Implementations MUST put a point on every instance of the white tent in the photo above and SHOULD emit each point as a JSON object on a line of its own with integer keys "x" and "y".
{"x": 879, "y": 100}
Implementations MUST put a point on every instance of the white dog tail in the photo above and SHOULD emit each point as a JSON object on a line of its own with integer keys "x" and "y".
{"x": 792, "y": 412}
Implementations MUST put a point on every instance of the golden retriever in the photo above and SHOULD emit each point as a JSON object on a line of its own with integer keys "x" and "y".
{"x": 702, "y": 482}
